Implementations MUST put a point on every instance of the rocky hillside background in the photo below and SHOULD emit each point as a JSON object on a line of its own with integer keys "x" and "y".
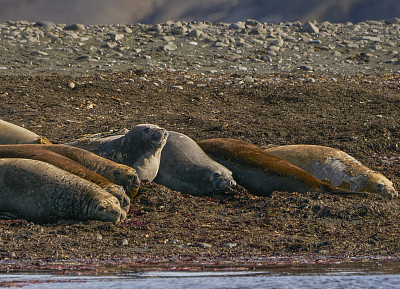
{"x": 157, "y": 11}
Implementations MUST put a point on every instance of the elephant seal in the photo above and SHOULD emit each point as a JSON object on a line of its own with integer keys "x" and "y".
{"x": 14, "y": 134}
{"x": 336, "y": 167}
{"x": 140, "y": 148}
{"x": 185, "y": 167}
{"x": 37, "y": 152}
{"x": 40, "y": 192}
{"x": 120, "y": 174}
{"x": 262, "y": 173}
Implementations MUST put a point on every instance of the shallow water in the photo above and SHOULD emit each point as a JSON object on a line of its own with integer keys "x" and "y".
{"x": 370, "y": 276}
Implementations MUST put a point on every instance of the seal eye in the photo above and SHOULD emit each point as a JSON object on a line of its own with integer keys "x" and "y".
{"x": 116, "y": 174}
{"x": 216, "y": 176}
{"x": 380, "y": 186}
{"x": 146, "y": 130}
{"x": 102, "y": 208}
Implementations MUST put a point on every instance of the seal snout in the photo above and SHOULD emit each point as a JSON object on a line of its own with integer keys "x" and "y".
{"x": 110, "y": 211}
{"x": 221, "y": 182}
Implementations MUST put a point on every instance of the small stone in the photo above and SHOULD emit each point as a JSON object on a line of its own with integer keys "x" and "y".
{"x": 72, "y": 85}
{"x": 168, "y": 38}
{"x": 310, "y": 28}
{"x": 124, "y": 242}
{"x": 170, "y": 47}
{"x": 179, "y": 87}
{"x": 76, "y": 27}
{"x": 195, "y": 33}
{"x": 202, "y": 245}
{"x": 242, "y": 69}
{"x": 392, "y": 21}
{"x": 45, "y": 24}
{"x": 306, "y": 67}
{"x": 193, "y": 43}
{"x": 39, "y": 53}
{"x": 99, "y": 237}
{"x": 230, "y": 245}
{"x": 238, "y": 25}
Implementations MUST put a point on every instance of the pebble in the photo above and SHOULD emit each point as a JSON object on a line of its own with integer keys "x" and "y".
{"x": 179, "y": 87}
{"x": 202, "y": 245}
{"x": 124, "y": 242}
{"x": 242, "y": 47}
{"x": 170, "y": 47}
{"x": 231, "y": 245}
{"x": 310, "y": 28}
{"x": 75, "y": 26}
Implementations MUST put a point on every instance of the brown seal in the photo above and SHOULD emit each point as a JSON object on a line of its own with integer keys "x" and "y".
{"x": 119, "y": 174}
{"x": 14, "y": 134}
{"x": 262, "y": 173}
{"x": 40, "y": 192}
{"x": 336, "y": 167}
{"x": 38, "y": 152}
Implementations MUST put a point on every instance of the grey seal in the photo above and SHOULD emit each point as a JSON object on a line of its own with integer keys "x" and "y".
{"x": 140, "y": 148}
{"x": 40, "y": 192}
{"x": 185, "y": 167}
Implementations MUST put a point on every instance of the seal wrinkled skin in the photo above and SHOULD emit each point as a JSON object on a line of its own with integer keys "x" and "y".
{"x": 40, "y": 192}
{"x": 140, "y": 148}
{"x": 185, "y": 167}
{"x": 120, "y": 174}
{"x": 262, "y": 173}
{"x": 335, "y": 166}
{"x": 39, "y": 152}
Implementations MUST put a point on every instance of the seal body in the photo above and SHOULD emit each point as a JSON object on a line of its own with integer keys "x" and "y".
{"x": 119, "y": 174}
{"x": 14, "y": 134}
{"x": 262, "y": 173}
{"x": 139, "y": 148}
{"x": 185, "y": 167}
{"x": 38, "y": 152}
{"x": 335, "y": 166}
{"x": 38, "y": 191}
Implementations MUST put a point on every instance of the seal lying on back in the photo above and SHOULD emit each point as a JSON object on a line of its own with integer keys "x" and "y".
{"x": 140, "y": 148}
{"x": 117, "y": 173}
{"x": 38, "y": 191}
{"x": 14, "y": 134}
{"x": 38, "y": 152}
{"x": 262, "y": 173}
{"x": 186, "y": 168}
{"x": 335, "y": 166}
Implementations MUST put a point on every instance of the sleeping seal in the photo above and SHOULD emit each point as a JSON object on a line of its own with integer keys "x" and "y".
{"x": 140, "y": 148}
{"x": 335, "y": 166}
{"x": 186, "y": 168}
{"x": 262, "y": 173}
{"x": 119, "y": 174}
{"x": 38, "y": 152}
{"x": 14, "y": 134}
{"x": 38, "y": 191}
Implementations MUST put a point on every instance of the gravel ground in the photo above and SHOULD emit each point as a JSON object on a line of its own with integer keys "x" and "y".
{"x": 350, "y": 104}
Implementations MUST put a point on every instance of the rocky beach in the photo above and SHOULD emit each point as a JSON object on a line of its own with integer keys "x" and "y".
{"x": 333, "y": 84}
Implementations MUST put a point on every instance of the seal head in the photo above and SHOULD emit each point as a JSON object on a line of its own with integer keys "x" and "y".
{"x": 140, "y": 148}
